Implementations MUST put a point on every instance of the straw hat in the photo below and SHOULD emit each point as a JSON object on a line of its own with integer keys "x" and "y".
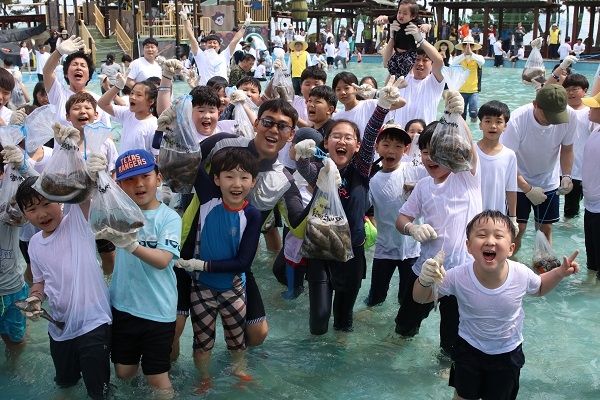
{"x": 446, "y": 42}
{"x": 304, "y": 44}
{"x": 64, "y": 32}
{"x": 469, "y": 40}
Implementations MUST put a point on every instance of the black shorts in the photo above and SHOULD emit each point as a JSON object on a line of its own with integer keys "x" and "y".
{"x": 255, "y": 308}
{"x": 330, "y": 60}
{"x": 475, "y": 374}
{"x": 546, "y": 213}
{"x": 87, "y": 355}
{"x": 104, "y": 246}
{"x": 137, "y": 338}
{"x": 184, "y": 290}
{"x": 24, "y": 246}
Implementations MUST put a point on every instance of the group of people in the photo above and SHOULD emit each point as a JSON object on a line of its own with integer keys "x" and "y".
{"x": 450, "y": 233}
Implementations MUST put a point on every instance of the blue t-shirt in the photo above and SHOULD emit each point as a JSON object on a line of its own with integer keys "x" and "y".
{"x": 140, "y": 289}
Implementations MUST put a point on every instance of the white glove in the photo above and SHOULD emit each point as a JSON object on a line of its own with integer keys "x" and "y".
{"x": 515, "y": 224}
{"x": 18, "y": 76}
{"x": 455, "y": 103}
{"x": 101, "y": 78}
{"x": 13, "y": 155}
{"x": 323, "y": 177}
{"x": 126, "y": 241}
{"x": 566, "y": 185}
{"x": 62, "y": 132}
{"x": 537, "y": 42}
{"x": 35, "y": 304}
{"x": 365, "y": 90}
{"x": 412, "y": 29}
{"x": 70, "y": 46}
{"x": 238, "y": 96}
{"x": 277, "y": 64}
{"x": 389, "y": 94}
{"x": 394, "y": 27}
{"x": 166, "y": 118}
{"x": 184, "y": 13}
{"x": 160, "y": 60}
{"x": 422, "y": 233}
{"x": 18, "y": 117}
{"x": 192, "y": 79}
{"x": 190, "y": 265}
{"x": 120, "y": 81}
{"x": 431, "y": 272}
{"x": 95, "y": 163}
{"x": 566, "y": 63}
{"x": 171, "y": 67}
{"x": 536, "y": 195}
{"x": 305, "y": 149}
{"x": 166, "y": 194}
{"x": 248, "y": 20}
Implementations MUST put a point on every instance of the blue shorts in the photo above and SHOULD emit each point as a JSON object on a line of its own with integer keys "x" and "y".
{"x": 12, "y": 322}
{"x": 546, "y": 213}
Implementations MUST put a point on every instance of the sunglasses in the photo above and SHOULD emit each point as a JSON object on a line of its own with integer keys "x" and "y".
{"x": 281, "y": 127}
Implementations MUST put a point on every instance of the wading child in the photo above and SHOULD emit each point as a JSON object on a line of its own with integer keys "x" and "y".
{"x": 143, "y": 290}
{"x": 222, "y": 259}
{"x": 488, "y": 356}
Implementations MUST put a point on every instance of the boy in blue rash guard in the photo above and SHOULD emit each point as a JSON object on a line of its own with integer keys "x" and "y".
{"x": 227, "y": 234}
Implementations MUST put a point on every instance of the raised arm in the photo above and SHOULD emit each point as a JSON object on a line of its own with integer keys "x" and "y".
{"x": 239, "y": 34}
{"x": 69, "y": 46}
{"x": 187, "y": 26}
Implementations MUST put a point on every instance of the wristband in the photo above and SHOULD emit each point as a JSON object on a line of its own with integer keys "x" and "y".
{"x": 404, "y": 229}
{"x": 166, "y": 77}
{"x": 38, "y": 294}
{"x": 421, "y": 283}
{"x": 420, "y": 42}
{"x": 164, "y": 88}
{"x": 564, "y": 176}
{"x": 555, "y": 76}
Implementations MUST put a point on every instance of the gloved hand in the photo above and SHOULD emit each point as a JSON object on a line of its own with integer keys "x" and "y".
{"x": 62, "y": 132}
{"x": 566, "y": 63}
{"x": 422, "y": 233}
{"x": 70, "y": 46}
{"x": 412, "y": 29}
{"x": 537, "y": 42}
{"x": 389, "y": 94}
{"x": 190, "y": 265}
{"x": 323, "y": 177}
{"x": 192, "y": 79}
{"x": 566, "y": 185}
{"x": 455, "y": 103}
{"x": 536, "y": 195}
{"x": 126, "y": 241}
{"x": 248, "y": 20}
{"x": 278, "y": 64}
{"x": 305, "y": 149}
{"x": 18, "y": 117}
{"x": 171, "y": 67}
{"x": 394, "y": 27}
{"x": 166, "y": 194}
{"x": 515, "y": 224}
{"x": 13, "y": 155}
{"x": 431, "y": 272}
{"x": 95, "y": 163}
{"x": 101, "y": 78}
{"x": 18, "y": 76}
{"x": 160, "y": 60}
{"x": 166, "y": 118}
{"x": 238, "y": 96}
{"x": 184, "y": 13}
{"x": 35, "y": 304}
{"x": 365, "y": 90}
{"x": 120, "y": 81}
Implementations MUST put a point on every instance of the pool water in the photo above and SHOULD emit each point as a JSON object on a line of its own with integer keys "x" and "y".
{"x": 560, "y": 330}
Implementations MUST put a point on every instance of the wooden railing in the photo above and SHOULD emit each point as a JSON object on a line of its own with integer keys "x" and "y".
{"x": 123, "y": 39}
{"x": 84, "y": 33}
{"x": 261, "y": 15}
{"x": 99, "y": 17}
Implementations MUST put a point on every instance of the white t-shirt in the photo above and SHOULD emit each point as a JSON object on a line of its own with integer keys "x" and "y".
{"x": 538, "y": 147}
{"x": 136, "y": 134}
{"x": 343, "y": 49}
{"x": 58, "y": 95}
{"x": 578, "y": 48}
{"x": 521, "y": 53}
{"x": 360, "y": 115}
{"x": 385, "y": 193}
{"x": 491, "y": 320}
{"x": 447, "y": 207}
{"x": 584, "y": 129}
{"x": 498, "y": 49}
{"x": 422, "y": 99}
{"x": 299, "y": 105}
{"x": 140, "y": 70}
{"x": 5, "y": 114}
{"x": 260, "y": 71}
{"x": 498, "y": 176}
{"x": 24, "y": 52}
{"x": 66, "y": 262}
{"x": 41, "y": 61}
{"x": 589, "y": 173}
{"x": 210, "y": 63}
{"x": 564, "y": 50}
{"x": 330, "y": 50}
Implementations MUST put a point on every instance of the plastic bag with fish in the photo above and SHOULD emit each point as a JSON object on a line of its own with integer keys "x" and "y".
{"x": 327, "y": 235}
{"x": 38, "y": 127}
{"x": 544, "y": 258}
{"x": 534, "y": 72}
{"x": 243, "y": 126}
{"x": 180, "y": 154}
{"x": 414, "y": 170}
{"x": 450, "y": 144}
{"x": 282, "y": 86}
{"x": 111, "y": 207}
{"x": 10, "y": 213}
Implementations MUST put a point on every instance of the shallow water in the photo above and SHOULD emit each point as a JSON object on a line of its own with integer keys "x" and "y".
{"x": 372, "y": 362}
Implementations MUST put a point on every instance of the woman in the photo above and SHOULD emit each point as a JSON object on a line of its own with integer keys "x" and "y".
{"x": 445, "y": 48}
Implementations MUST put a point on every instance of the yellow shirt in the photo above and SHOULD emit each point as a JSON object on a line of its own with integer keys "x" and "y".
{"x": 298, "y": 63}
{"x": 554, "y": 36}
{"x": 472, "y": 82}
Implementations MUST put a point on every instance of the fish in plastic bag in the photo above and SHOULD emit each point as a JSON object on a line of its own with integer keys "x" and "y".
{"x": 544, "y": 258}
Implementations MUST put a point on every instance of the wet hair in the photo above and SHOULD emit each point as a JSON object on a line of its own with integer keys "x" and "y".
{"x": 232, "y": 158}
{"x": 279, "y": 105}
{"x": 88, "y": 61}
{"x": 214, "y": 38}
{"x": 8, "y": 62}
{"x": 325, "y": 93}
{"x": 346, "y": 77}
{"x": 126, "y": 58}
{"x": 415, "y": 121}
{"x": 426, "y": 134}
{"x": 155, "y": 80}
{"x": 315, "y": 73}
{"x": 150, "y": 40}
{"x": 495, "y": 216}
{"x": 205, "y": 96}
{"x": 39, "y": 87}
{"x": 414, "y": 7}
{"x": 494, "y": 108}
{"x": 7, "y": 81}
{"x": 392, "y": 134}
{"x": 251, "y": 80}
{"x": 574, "y": 80}
{"x": 337, "y": 122}
{"x": 151, "y": 94}
{"x": 80, "y": 97}
{"x": 421, "y": 52}
{"x": 26, "y": 195}
{"x": 367, "y": 78}
{"x": 217, "y": 83}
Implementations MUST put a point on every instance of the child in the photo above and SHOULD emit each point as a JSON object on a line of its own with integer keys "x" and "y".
{"x": 19, "y": 95}
{"x": 126, "y": 61}
{"x": 65, "y": 248}
{"x": 519, "y": 56}
{"x": 320, "y": 107}
{"x": 7, "y": 85}
{"x": 498, "y": 162}
{"x": 222, "y": 259}
{"x": 446, "y": 201}
{"x": 392, "y": 250}
{"x": 413, "y": 127}
{"x": 40, "y": 97}
{"x": 24, "y": 53}
{"x": 143, "y": 290}
{"x": 261, "y": 70}
{"x": 41, "y": 57}
{"x": 488, "y": 356}
{"x": 138, "y": 118}
{"x": 319, "y": 60}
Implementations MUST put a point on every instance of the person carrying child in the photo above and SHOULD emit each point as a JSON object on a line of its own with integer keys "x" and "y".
{"x": 488, "y": 356}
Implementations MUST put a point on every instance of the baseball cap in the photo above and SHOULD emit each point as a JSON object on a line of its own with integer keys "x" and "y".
{"x": 592, "y": 102}
{"x": 397, "y": 132}
{"x": 552, "y": 100}
{"x": 134, "y": 162}
{"x": 307, "y": 133}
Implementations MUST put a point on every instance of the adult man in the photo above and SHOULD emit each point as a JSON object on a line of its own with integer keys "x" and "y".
{"x": 518, "y": 35}
{"x": 146, "y": 66}
{"x": 542, "y": 135}
{"x": 444, "y": 31}
{"x": 240, "y": 70}
{"x": 506, "y": 36}
{"x": 299, "y": 60}
{"x": 578, "y": 47}
{"x": 474, "y": 63}
{"x": 553, "y": 41}
{"x": 367, "y": 35}
{"x": 476, "y": 32}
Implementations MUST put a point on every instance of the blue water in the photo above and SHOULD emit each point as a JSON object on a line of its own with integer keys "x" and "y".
{"x": 561, "y": 350}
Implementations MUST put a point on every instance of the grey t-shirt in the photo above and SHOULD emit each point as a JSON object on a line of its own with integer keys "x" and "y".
{"x": 110, "y": 71}
{"x": 11, "y": 274}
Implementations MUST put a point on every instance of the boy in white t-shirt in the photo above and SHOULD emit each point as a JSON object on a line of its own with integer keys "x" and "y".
{"x": 261, "y": 70}
{"x": 488, "y": 356}
{"x": 498, "y": 163}
{"x": 446, "y": 202}
{"x": 564, "y": 49}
